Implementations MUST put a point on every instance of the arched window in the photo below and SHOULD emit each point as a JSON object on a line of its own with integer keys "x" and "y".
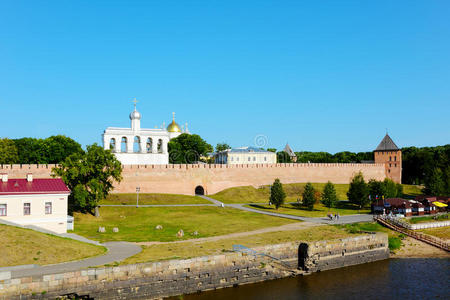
{"x": 160, "y": 146}
{"x": 137, "y": 144}
{"x": 123, "y": 144}
{"x": 149, "y": 145}
{"x": 390, "y": 158}
{"x": 112, "y": 145}
{"x": 395, "y": 158}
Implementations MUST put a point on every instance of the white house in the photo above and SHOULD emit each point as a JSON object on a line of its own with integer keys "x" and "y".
{"x": 139, "y": 146}
{"x": 245, "y": 155}
{"x": 39, "y": 202}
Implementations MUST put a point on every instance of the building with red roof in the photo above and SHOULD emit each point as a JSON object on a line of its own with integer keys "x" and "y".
{"x": 40, "y": 202}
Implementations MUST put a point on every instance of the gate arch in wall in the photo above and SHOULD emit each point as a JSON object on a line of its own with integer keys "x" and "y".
{"x": 199, "y": 190}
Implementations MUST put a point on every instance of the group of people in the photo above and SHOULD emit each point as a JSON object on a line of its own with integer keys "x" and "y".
{"x": 336, "y": 216}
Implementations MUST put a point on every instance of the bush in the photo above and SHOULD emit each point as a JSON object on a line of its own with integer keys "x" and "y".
{"x": 394, "y": 243}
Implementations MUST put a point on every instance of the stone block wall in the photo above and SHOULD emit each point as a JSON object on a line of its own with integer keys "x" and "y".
{"x": 326, "y": 255}
{"x": 183, "y": 179}
{"x": 175, "y": 277}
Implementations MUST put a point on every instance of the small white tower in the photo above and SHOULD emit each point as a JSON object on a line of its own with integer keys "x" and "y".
{"x": 135, "y": 118}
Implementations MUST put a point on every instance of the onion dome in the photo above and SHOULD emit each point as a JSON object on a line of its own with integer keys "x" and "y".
{"x": 173, "y": 127}
{"x": 135, "y": 115}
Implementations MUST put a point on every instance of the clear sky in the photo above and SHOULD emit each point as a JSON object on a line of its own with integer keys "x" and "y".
{"x": 321, "y": 75}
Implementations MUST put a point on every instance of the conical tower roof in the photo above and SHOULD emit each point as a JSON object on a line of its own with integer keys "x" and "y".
{"x": 387, "y": 144}
{"x": 289, "y": 150}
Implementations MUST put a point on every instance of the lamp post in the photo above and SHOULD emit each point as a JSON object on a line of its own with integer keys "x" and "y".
{"x": 138, "y": 189}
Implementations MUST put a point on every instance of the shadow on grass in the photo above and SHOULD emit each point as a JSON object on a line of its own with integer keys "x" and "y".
{"x": 262, "y": 207}
{"x": 300, "y": 207}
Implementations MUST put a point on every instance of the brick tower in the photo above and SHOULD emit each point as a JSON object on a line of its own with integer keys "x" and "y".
{"x": 390, "y": 155}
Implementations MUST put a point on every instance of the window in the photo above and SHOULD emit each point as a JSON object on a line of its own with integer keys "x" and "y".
{"x": 254, "y": 158}
{"x": 390, "y": 165}
{"x": 237, "y": 158}
{"x": 249, "y": 158}
{"x": 2, "y": 209}
{"x": 26, "y": 209}
{"x": 232, "y": 158}
{"x": 390, "y": 158}
{"x": 265, "y": 158}
{"x": 395, "y": 158}
{"x": 395, "y": 165}
{"x": 48, "y": 208}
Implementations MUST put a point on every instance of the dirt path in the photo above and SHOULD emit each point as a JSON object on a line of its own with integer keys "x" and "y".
{"x": 287, "y": 227}
{"x": 413, "y": 248}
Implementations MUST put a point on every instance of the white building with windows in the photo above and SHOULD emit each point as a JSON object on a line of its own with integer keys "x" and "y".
{"x": 141, "y": 146}
{"x": 41, "y": 202}
{"x": 245, "y": 155}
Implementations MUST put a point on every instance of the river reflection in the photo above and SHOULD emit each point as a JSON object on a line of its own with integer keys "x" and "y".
{"x": 388, "y": 279}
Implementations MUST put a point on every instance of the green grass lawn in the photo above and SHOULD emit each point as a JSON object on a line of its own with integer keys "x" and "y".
{"x": 20, "y": 246}
{"x": 344, "y": 208}
{"x": 250, "y": 194}
{"x": 191, "y": 249}
{"x": 149, "y": 199}
{"x": 138, "y": 224}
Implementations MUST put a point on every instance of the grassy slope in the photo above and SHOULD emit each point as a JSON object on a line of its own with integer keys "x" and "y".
{"x": 428, "y": 219}
{"x": 249, "y": 194}
{"x": 153, "y": 199}
{"x": 21, "y": 246}
{"x": 191, "y": 249}
{"x": 440, "y": 232}
{"x": 344, "y": 208}
{"x": 138, "y": 224}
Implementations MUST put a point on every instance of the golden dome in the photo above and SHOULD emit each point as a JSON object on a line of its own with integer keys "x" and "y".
{"x": 173, "y": 127}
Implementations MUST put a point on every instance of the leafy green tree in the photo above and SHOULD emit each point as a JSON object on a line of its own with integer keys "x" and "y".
{"x": 187, "y": 149}
{"x": 8, "y": 152}
{"x": 435, "y": 184}
{"x": 390, "y": 188}
{"x": 358, "y": 192}
{"x": 90, "y": 176}
{"x": 309, "y": 197}
{"x": 32, "y": 151}
{"x": 376, "y": 189}
{"x": 277, "y": 194}
{"x": 329, "y": 197}
{"x": 59, "y": 147}
{"x": 222, "y": 147}
{"x": 272, "y": 150}
{"x": 283, "y": 157}
{"x": 399, "y": 190}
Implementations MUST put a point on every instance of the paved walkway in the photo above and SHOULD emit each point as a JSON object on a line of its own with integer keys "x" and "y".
{"x": 117, "y": 251}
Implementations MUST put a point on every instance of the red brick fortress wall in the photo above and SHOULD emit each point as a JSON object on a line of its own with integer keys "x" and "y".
{"x": 183, "y": 179}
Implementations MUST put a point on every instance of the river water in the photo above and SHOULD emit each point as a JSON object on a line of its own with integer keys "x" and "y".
{"x": 410, "y": 278}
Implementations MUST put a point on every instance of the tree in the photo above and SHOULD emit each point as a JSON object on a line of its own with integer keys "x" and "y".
{"x": 187, "y": 149}
{"x": 329, "y": 197}
{"x": 358, "y": 192}
{"x": 59, "y": 147}
{"x": 390, "y": 188}
{"x": 277, "y": 194}
{"x": 272, "y": 150}
{"x": 283, "y": 157}
{"x": 309, "y": 197}
{"x": 222, "y": 147}
{"x": 32, "y": 151}
{"x": 8, "y": 152}
{"x": 90, "y": 176}
{"x": 376, "y": 189}
{"x": 435, "y": 184}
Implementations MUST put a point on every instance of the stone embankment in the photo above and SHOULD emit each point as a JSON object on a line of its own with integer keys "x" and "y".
{"x": 175, "y": 277}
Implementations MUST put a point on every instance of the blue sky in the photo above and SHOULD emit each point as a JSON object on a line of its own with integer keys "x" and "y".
{"x": 321, "y": 75}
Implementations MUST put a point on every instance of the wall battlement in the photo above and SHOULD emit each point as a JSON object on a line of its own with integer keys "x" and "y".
{"x": 183, "y": 179}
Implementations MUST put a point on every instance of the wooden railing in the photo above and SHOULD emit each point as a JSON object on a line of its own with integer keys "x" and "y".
{"x": 393, "y": 224}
